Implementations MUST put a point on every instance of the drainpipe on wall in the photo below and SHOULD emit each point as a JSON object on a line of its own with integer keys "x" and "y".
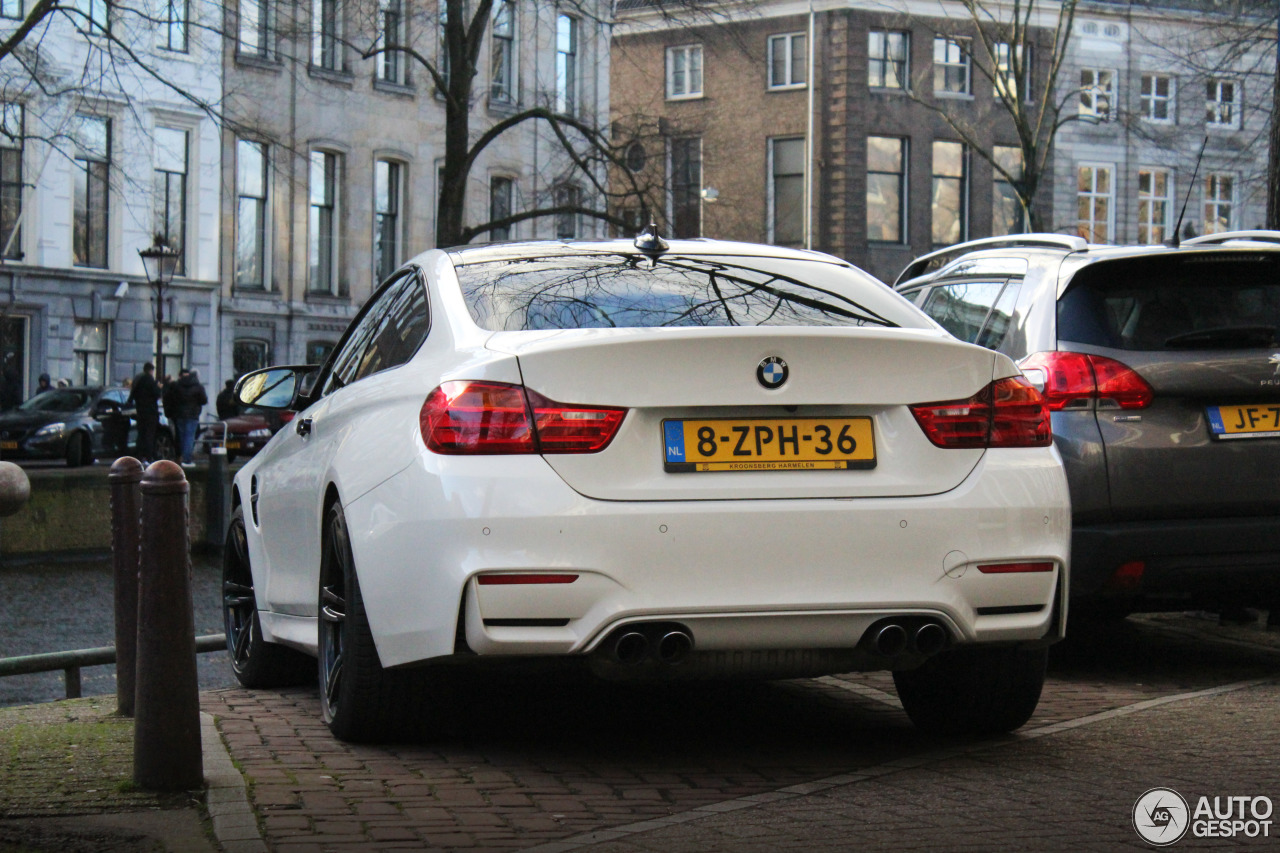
{"x": 808, "y": 136}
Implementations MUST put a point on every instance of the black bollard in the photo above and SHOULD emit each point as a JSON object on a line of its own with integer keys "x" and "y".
{"x": 126, "y": 504}
{"x": 166, "y": 740}
{"x": 217, "y": 500}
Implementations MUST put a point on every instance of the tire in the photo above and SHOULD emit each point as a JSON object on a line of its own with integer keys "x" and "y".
{"x": 974, "y": 691}
{"x": 255, "y": 662}
{"x": 77, "y": 451}
{"x": 359, "y": 700}
{"x": 166, "y": 448}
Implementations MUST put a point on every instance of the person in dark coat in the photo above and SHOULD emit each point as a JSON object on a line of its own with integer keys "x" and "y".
{"x": 228, "y": 404}
{"x": 144, "y": 398}
{"x": 191, "y": 398}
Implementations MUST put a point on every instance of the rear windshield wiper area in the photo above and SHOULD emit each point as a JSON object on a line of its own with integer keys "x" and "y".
{"x": 1225, "y": 337}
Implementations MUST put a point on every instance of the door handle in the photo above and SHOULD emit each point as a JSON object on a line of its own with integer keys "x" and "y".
{"x": 304, "y": 427}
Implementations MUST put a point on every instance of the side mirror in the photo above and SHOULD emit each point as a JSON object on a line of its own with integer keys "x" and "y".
{"x": 273, "y": 387}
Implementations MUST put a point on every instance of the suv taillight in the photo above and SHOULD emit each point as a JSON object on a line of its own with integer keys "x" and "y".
{"x": 1007, "y": 413}
{"x": 461, "y": 418}
{"x": 1072, "y": 376}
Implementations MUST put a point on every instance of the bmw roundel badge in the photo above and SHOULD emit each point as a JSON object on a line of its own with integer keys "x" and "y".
{"x": 772, "y": 372}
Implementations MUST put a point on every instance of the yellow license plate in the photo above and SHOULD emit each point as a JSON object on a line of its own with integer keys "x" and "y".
{"x": 1259, "y": 421}
{"x": 768, "y": 444}
{"x": 8, "y": 445}
{"x": 232, "y": 445}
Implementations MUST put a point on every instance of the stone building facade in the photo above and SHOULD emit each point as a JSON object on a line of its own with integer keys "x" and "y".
{"x": 330, "y": 172}
{"x": 88, "y": 177}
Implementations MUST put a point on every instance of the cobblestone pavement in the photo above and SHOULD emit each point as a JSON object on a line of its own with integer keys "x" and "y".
{"x": 828, "y": 763}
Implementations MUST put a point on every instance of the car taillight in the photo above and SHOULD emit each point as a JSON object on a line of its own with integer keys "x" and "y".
{"x": 1072, "y": 376}
{"x": 461, "y": 418}
{"x": 1007, "y": 413}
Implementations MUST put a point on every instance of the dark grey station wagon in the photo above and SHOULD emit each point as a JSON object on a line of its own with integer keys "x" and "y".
{"x": 1162, "y": 369}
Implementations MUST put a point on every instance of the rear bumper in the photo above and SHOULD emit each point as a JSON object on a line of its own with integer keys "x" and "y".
{"x": 1185, "y": 561}
{"x": 743, "y": 575}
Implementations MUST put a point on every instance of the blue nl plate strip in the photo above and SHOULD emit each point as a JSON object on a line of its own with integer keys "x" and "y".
{"x": 673, "y": 436}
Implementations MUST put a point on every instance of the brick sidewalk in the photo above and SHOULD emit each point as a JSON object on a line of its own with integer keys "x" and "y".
{"x": 533, "y": 764}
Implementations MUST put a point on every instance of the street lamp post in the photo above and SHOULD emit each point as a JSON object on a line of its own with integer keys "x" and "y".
{"x": 159, "y": 261}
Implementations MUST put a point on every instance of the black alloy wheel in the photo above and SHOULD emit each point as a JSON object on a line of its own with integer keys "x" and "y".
{"x": 77, "y": 450}
{"x": 359, "y": 700}
{"x": 255, "y": 662}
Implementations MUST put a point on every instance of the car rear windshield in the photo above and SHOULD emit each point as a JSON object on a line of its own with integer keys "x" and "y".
{"x": 1190, "y": 301}
{"x": 631, "y": 291}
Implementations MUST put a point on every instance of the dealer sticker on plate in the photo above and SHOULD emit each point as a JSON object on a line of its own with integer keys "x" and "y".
{"x": 1257, "y": 421}
{"x": 768, "y": 444}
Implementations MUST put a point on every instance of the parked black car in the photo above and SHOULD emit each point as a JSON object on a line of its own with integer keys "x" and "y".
{"x": 78, "y": 425}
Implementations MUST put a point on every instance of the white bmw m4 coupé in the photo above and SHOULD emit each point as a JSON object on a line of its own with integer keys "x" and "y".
{"x": 656, "y": 460}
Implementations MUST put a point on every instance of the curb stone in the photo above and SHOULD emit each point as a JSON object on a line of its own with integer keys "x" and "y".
{"x": 235, "y": 824}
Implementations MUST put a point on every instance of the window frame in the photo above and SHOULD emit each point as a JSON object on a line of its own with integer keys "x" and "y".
{"x": 502, "y": 53}
{"x": 1005, "y": 65}
{"x": 175, "y": 19}
{"x": 254, "y": 35}
{"x": 885, "y": 61}
{"x": 395, "y": 183}
{"x": 1090, "y": 92}
{"x": 1217, "y": 201}
{"x": 773, "y": 194}
{"x": 497, "y": 201}
{"x": 323, "y": 270}
{"x": 788, "y": 41}
{"x": 1093, "y": 193}
{"x": 163, "y": 198}
{"x": 326, "y": 35}
{"x": 391, "y": 66}
{"x": 261, "y": 212}
{"x": 941, "y": 67}
{"x": 684, "y": 196}
{"x": 91, "y": 244}
{"x": 568, "y": 44}
{"x": 1019, "y": 225}
{"x": 962, "y": 186}
{"x": 903, "y": 190}
{"x": 12, "y": 10}
{"x": 689, "y": 52}
{"x": 1146, "y": 221}
{"x": 81, "y": 354}
{"x": 12, "y": 192}
{"x": 1151, "y": 100}
{"x": 1215, "y": 106}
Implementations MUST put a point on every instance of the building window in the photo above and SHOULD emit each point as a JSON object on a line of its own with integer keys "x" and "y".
{"x": 95, "y": 15}
{"x": 502, "y": 83}
{"x": 951, "y": 66}
{"x": 173, "y": 25}
{"x": 886, "y": 189}
{"x": 1007, "y": 215}
{"x": 391, "y": 66}
{"x": 787, "y": 58}
{"x": 1097, "y": 91}
{"x": 254, "y": 37}
{"x": 1157, "y": 98}
{"x": 501, "y": 191}
{"x": 11, "y": 149}
{"x": 386, "y": 192}
{"x": 570, "y": 196}
{"x": 318, "y": 351}
{"x": 323, "y": 223}
{"x": 686, "y": 187}
{"x": 1013, "y": 71}
{"x": 566, "y": 64}
{"x": 12, "y": 9}
{"x": 1219, "y": 203}
{"x": 1094, "y": 196}
{"x": 91, "y": 177}
{"x": 251, "y": 214}
{"x": 171, "y": 192}
{"x": 249, "y": 354}
{"x": 326, "y": 34}
{"x": 90, "y": 350}
{"x": 887, "y": 52}
{"x": 950, "y": 193}
{"x": 786, "y": 192}
{"x": 684, "y": 71}
{"x": 173, "y": 352}
{"x": 1222, "y": 103}
{"x": 1155, "y": 204}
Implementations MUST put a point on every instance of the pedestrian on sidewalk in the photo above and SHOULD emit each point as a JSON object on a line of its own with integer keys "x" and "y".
{"x": 191, "y": 399}
{"x": 144, "y": 397}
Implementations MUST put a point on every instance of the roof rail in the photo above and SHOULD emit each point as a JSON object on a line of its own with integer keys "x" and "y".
{"x": 1256, "y": 236}
{"x": 935, "y": 260}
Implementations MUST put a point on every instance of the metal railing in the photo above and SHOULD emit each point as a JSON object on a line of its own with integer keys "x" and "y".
{"x": 71, "y": 662}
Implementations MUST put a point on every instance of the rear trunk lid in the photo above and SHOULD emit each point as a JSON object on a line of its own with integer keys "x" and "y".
{"x": 1201, "y": 329}
{"x": 671, "y": 375}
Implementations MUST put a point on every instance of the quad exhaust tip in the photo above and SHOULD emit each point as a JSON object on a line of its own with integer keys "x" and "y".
{"x": 891, "y": 640}
{"x": 631, "y": 648}
{"x": 930, "y": 638}
{"x": 674, "y": 647}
